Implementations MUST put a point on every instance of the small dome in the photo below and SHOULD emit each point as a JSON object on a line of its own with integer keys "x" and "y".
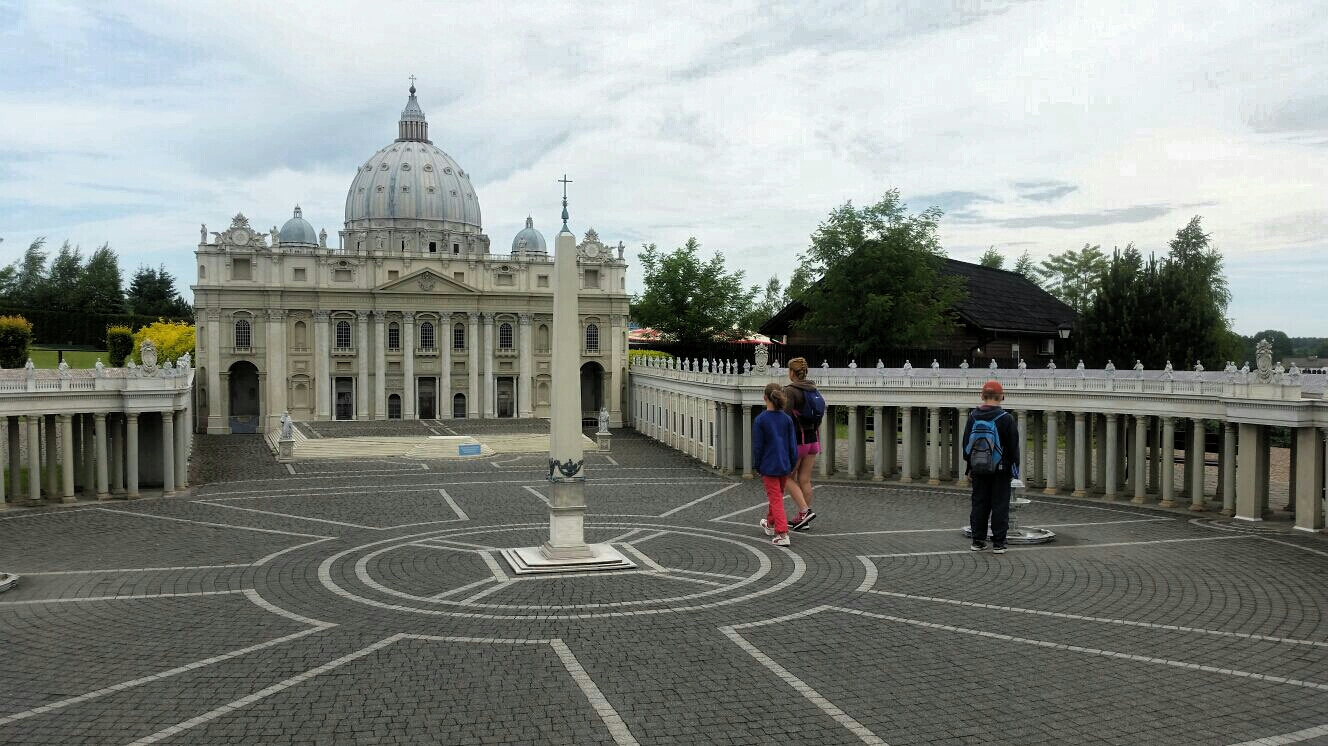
{"x": 298, "y": 230}
{"x": 529, "y": 239}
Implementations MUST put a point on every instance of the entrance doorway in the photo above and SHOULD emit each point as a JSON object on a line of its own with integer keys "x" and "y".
{"x": 244, "y": 402}
{"x": 345, "y": 398}
{"x": 592, "y": 390}
{"x": 506, "y": 397}
{"x": 459, "y": 406}
{"x": 428, "y": 398}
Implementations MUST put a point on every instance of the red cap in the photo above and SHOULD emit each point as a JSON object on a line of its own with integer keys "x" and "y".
{"x": 992, "y": 389}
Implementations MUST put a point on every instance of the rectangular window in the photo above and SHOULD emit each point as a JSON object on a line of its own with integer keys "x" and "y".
{"x": 456, "y": 248}
{"x": 433, "y": 247}
{"x": 1014, "y": 350}
{"x": 458, "y": 337}
{"x": 240, "y": 270}
{"x": 506, "y": 280}
{"x": 394, "y": 337}
{"x": 541, "y": 281}
{"x": 299, "y": 274}
{"x": 341, "y": 275}
{"x": 592, "y": 278}
{"x": 393, "y": 274}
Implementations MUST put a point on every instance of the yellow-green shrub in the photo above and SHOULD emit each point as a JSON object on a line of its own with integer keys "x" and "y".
{"x": 172, "y": 338}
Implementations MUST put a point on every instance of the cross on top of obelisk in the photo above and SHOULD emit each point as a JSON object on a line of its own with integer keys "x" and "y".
{"x": 565, "y": 181}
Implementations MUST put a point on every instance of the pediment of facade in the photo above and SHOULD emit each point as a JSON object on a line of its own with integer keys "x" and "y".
{"x": 426, "y": 281}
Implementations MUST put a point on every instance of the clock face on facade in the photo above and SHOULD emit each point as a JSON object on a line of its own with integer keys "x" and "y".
{"x": 240, "y": 236}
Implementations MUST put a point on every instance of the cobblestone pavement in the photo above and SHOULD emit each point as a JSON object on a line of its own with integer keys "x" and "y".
{"x": 366, "y": 602}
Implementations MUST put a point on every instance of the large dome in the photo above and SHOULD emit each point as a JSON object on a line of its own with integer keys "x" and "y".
{"x": 410, "y": 180}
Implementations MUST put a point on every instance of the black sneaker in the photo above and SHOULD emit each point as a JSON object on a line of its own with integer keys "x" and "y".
{"x": 804, "y": 523}
{"x": 978, "y": 546}
{"x": 998, "y": 549}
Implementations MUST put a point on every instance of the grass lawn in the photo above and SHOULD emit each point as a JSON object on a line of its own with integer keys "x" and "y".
{"x": 47, "y": 358}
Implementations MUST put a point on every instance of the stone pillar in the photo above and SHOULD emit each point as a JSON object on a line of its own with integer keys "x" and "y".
{"x": 526, "y": 367}
{"x": 879, "y": 436}
{"x": 51, "y": 475}
{"x": 957, "y": 446}
{"x": 34, "y": 460}
{"x": 1308, "y": 495}
{"x": 473, "y": 366}
{"x": 168, "y": 452}
{"x": 182, "y": 449}
{"x": 75, "y": 449}
{"x": 216, "y": 398}
{"x": 907, "y": 462}
{"x": 857, "y": 442}
{"x": 380, "y": 365}
{"x": 1081, "y": 445}
{"x": 1155, "y": 461}
{"x": 116, "y": 430}
{"x": 1098, "y": 452}
{"x": 490, "y": 384}
{"x": 362, "y": 358}
{"x": 1052, "y": 470}
{"x": 1112, "y": 484}
{"x": 276, "y": 370}
{"x": 1139, "y": 460}
{"x": 1194, "y": 462}
{"x": 445, "y": 366}
{"x": 1248, "y": 501}
{"x": 616, "y": 369}
{"x": 826, "y": 462}
{"x": 89, "y": 457}
{"x": 99, "y": 436}
{"x": 933, "y": 445}
{"x": 747, "y": 472}
{"x": 1168, "y": 468}
{"x": 15, "y": 458}
{"x": 131, "y": 454}
{"x": 66, "y": 425}
{"x": 1033, "y": 474}
{"x": 723, "y": 449}
{"x": 1021, "y": 422}
{"x": 322, "y": 365}
{"x": 408, "y": 396}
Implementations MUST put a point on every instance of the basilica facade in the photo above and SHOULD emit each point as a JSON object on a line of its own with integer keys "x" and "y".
{"x": 410, "y": 316}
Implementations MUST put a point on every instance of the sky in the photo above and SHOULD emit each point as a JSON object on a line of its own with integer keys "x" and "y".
{"x": 1036, "y": 126}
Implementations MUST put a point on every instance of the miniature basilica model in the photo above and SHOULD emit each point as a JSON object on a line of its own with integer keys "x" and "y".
{"x": 410, "y": 317}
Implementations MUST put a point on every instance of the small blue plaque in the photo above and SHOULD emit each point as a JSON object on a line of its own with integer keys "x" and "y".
{"x": 469, "y": 449}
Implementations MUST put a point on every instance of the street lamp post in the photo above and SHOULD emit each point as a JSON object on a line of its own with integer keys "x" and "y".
{"x": 1063, "y": 330}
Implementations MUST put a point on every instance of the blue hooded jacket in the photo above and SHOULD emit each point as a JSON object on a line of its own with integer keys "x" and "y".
{"x": 774, "y": 443}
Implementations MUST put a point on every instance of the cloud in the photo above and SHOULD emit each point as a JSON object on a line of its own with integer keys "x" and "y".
{"x": 1048, "y": 193}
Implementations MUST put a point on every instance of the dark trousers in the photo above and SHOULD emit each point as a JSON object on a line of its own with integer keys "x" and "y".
{"x": 991, "y": 502}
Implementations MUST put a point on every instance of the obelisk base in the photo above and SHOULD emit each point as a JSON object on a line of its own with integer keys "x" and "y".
{"x": 546, "y": 559}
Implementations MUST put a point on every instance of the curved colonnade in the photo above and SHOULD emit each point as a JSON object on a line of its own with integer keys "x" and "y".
{"x": 1085, "y": 432}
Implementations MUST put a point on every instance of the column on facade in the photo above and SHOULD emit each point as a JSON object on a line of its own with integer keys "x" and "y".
{"x": 1051, "y": 470}
{"x": 1111, "y": 483}
{"x": 408, "y": 365}
{"x": 34, "y": 459}
{"x": 490, "y": 383}
{"x": 217, "y": 399}
{"x": 131, "y": 454}
{"x": 167, "y": 452}
{"x": 276, "y": 369}
{"x": 616, "y": 374}
{"x": 362, "y": 358}
{"x": 1307, "y": 495}
{"x": 380, "y": 365}
{"x": 322, "y": 365}
{"x": 445, "y": 363}
{"x": 1194, "y": 463}
{"x": 525, "y": 368}
{"x": 1080, "y": 455}
{"x": 1168, "y": 468}
{"x": 472, "y": 365}
{"x": 66, "y": 430}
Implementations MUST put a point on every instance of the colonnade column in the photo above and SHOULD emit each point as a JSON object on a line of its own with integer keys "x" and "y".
{"x": 878, "y": 443}
{"x": 116, "y": 426}
{"x": 907, "y": 463}
{"x": 445, "y": 367}
{"x": 472, "y": 365}
{"x": 1308, "y": 494}
{"x": 408, "y": 365}
{"x": 490, "y": 386}
{"x": 99, "y": 436}
{"x": 1097, "y": 451}
{"x": 934, "y": 445}
{"x": 15, "y": 458}
{"x": 167, "y": 452}
{"x": 1139, "y": 461}
{"x": 276, "y": 369}
{"x": 1033, "y": 472}
{"x": 1228, "y": 477}
{"x": 1168, "y": 468}
{"x": 1113, "y": 443}
{"x": 322, "y": 365}
{"x": 181, "y": 448}
{"x": 131, "y": 453}
{"x": 826, "y": 462}
{"x": 1052, "y": 470}
{"x": 380, "y": 365}
{"x": 67, "y": 457}
{"x": 89, "y": 456}
{"x": 34, "y": 459}
{"x": 747, "y": 472}
{"x": 957, "y": 446}
{"x": 722, "y": 446}
{"x": 362, "y": 358}
{"x": 1025, "y": 455}
{"x": 52, "y": 473}
{"x": 1194, "y": 461}
{"x": 1080, "y": 455}
{"x": 857, "y": 457}
{"x": 1248, "y": 502}
{"x": 526, "y": 406}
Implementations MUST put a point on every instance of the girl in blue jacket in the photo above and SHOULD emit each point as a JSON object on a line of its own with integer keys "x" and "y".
{"x": 775, "y": 452}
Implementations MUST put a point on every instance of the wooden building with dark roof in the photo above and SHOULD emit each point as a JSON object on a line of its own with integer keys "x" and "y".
{"x": 1004, "y": 316}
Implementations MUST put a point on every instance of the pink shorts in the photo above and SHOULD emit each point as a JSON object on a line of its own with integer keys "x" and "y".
{"x": 809, "y": 449}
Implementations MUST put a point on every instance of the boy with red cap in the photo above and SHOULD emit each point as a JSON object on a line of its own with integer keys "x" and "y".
{"x": 991, "y": 455}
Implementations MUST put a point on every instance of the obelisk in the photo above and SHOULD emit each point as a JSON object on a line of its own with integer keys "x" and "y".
{"x": 566, "y": 550}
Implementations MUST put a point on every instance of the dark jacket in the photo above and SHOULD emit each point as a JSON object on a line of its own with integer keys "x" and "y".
{"x": 793, "y": 399}
{"x": 1006, "y": 428}
{"x": 774, "y": 444}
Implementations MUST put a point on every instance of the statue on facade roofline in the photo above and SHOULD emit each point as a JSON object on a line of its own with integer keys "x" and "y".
{"x": 1263, "y": 357}
{"x": 202, "y": 232}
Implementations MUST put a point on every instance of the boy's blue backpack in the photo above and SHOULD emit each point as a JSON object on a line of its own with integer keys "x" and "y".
{"x": 813, "y": 408}
{"x": 984, "y": 446}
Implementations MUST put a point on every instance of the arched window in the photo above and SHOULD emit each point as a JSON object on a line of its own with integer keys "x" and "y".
{"x": 505, "y": 336}
{"x": 426, "y": 336}
{"x": 243, "y": 334}
{"x": 459, "y": 406}
{"x": 394, "y": 407}
{"x": 394, "y": 336}
{"x": 592, "y": 338}
{"x": 301, "y": 335}
{"x": 542, "y": 338}
{"x": 343, "y": 335}
{"x": 459, "y": 337}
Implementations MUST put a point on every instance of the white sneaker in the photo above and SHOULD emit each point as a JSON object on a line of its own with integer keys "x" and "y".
{"x": 765, "y": 526}
{"x": 781, "y": 541}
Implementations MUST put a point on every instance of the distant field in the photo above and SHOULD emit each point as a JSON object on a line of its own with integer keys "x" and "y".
{"x": 76, "y": 358}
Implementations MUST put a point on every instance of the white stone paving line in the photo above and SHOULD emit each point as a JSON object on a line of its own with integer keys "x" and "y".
{"x": 290, "y": 468}
{"x": 868, "y": 582}
{"x": 120, "y": 570}
{"x": 863, "y": 733}
{"x": 127, "y": 597}
{"x": 617, "y": 728}
{"x": 698, "y": 500}
{"x": 1086, "y": 650}
{"x": 644, "y": 559}
{"x": 536, "y": 493}
{"x": 938, "y": 530}
{"x": 212, "y": 525}
{"x": 113, "y": 688}
{"x": 313, "y": 492}
{"x": 623, "y": 536}
{"x": 58, "y": 511}
{"x": 289, "y": 515}
{"x": 497, "y": 586}
{"x": 1046, "y": 548}
{"x": 648, "y": 537}
{"x": 461, "y": 514}
{"x": 610, "y": 460}
{"x": 266, "y": 605}
{"x": 343, "y": 476}
{"x": 460, "y": 589}
{"x": 1294, "y": 545}
{"x": 1285, "y": 738}
{"x": 280, "y": 552}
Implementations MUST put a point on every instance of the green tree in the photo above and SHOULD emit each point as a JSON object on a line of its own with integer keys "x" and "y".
{"x": 28, "y": 285}
{"x": 1073, "y": 275}
{"x": 1282, "y": 347}
{"x": 1112, "y": 326}
{"x": 693, "y": 302}
{"x": 768, "y": 301}
{"x": 1193, "y": 282}
{"x": 63, "y": 278}
{"x": 1026, "y": 267}
{"x": 152, "y": 293}
{"x": 101, "y": 286}
{"x": 871, "y": 278}
{"x": 992, "y": 258}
